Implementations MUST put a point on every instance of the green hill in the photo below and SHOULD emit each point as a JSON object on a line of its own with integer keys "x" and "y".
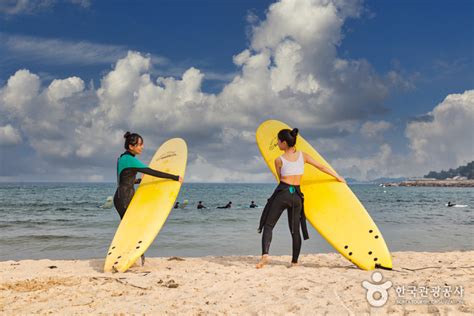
{"x": 463, "y": 171}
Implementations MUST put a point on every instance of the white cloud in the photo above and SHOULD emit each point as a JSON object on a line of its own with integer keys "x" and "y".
{"x": 404, "y": 82}
{"x": 381, "y": 163}
{"x": 9, "y": 135}
{"x": 290, "y": 71}
{"x": 201, "y": 170}
{"x": 19, "y": 91}
{"x": 374, "y": 129}
{"x": 12, "y": 7}
{"x": 17, "y": 7}
{"x": 60, "y": 89}
{"x": 446, "y": 141}
{"x": 62, "y": 52}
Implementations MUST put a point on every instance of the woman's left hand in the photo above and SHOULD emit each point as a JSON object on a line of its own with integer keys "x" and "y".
{"x": 180, "y": 179}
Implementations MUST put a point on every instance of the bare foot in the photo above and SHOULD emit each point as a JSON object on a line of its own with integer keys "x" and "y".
{"x": 263, "y": 261}
{"x": 294, "y": 264}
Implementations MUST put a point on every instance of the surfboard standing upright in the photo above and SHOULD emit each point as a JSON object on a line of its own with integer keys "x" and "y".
{"x": 149, "y": 208}
{"x": 330, "y": 206}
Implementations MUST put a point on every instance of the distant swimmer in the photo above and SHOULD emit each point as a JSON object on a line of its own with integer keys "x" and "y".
{"x": 176, "y": 205}
{"x": 200, "y": 205}
{"x": 229, "y": 205}
{"x": 253, "y": 205}
{"x": 455, "y": 205}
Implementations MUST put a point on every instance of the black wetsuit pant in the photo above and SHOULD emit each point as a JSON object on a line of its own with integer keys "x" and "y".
{"x": 292, "y": 202}
{"x": 122, "y": 198}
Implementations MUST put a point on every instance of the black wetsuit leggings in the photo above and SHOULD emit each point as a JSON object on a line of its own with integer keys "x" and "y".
{"x": 122, "y": 198}
{"x": 291, "y": 202}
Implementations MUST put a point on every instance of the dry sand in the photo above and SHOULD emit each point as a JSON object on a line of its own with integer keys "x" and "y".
{"x": 323, "y": 284}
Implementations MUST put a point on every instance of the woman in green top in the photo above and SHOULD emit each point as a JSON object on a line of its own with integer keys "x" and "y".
{"x": 127, "y": 168}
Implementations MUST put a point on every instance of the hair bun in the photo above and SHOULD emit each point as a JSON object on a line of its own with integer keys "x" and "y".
{"x": 126, "y": 135}
{"x": 294, "y": 132}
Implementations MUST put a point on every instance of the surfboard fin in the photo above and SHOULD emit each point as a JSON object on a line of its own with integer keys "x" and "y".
{"x": 379, "y": 266}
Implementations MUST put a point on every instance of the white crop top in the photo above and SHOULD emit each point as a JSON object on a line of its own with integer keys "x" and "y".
{"x": 292, "y": 168}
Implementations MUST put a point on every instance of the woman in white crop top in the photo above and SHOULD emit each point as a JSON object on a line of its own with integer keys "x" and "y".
{"x": 290, "y": 165}
{"x": 287, "y": 195}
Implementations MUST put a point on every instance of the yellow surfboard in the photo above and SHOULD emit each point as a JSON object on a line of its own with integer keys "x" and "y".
{"x": 330, "y": 206}
{"x": 149, "y": 208}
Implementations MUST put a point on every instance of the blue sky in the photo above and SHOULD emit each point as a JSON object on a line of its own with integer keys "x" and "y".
{"x": 413, "y": 55}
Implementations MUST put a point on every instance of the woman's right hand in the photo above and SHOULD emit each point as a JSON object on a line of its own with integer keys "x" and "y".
{"x": 340, "y": 179}
{"x": 180, "y": 179}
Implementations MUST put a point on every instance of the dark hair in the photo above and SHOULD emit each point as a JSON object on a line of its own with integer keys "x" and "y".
{"x": 131, "y": 139}
{"x": 288, "y": 136}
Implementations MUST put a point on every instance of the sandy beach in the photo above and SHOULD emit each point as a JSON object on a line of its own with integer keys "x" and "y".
{"x": 323, "y": 284}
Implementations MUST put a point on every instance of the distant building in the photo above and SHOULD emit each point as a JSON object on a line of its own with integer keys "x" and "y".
{"x": 458, "y": 178}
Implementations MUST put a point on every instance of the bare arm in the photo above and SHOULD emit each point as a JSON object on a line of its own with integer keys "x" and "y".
{"x": 278, "y": 164}
{"x": 308, "y": 159}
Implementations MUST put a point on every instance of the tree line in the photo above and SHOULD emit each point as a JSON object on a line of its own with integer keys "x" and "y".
{"x": 464, "y": 171}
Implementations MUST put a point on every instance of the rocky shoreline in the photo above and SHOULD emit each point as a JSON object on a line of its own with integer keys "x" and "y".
{"x": 432, "y": 183}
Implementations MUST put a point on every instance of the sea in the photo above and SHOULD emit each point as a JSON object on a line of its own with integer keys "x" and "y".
{"x": 75, "y": 221}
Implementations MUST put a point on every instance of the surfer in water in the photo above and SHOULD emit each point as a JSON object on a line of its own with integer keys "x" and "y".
{"x": 287, "y": 195}
{"x": 200, "y": 205}
{"x": 253, "y": 205}
{"x": 228, "y": 205}
{"x": 127, "y": 168}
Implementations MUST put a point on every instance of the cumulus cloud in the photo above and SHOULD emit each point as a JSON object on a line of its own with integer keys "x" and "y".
{"x": 61, "y": 89}
{"x": 21, "y": 89}
{"x": 9, "y": 135}
{"x": 381, "y": 163}
{"x": 446, "y": 140}
{"x": 290, "y": 71}
{"x": 374, "y": 129}
{"x": 442, "y": 139}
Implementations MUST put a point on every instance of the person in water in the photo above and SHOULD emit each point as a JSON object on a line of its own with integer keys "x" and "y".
{"x": 287, "y": 195}
{"x": 253, "y": 205}
{"x": 200, "y": 205}
{"x": 228, "y": 205}
{"x": 176, "y": 205}
{"x": 127, "y": 168}
{"x": 450, "y": 204}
